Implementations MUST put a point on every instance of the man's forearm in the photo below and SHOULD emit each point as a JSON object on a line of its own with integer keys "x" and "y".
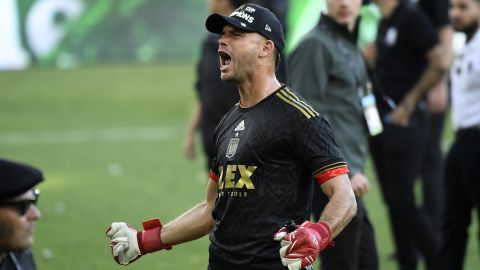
{"x": 445, "y": 34}
{"x": 193, "y": 224}
{"x": 342, "y": 205}
{"x": 194, "y": 121}
{"x": 430, "y": 77}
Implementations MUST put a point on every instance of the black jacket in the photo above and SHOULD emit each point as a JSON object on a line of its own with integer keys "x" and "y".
{"x": 18, "y": 260}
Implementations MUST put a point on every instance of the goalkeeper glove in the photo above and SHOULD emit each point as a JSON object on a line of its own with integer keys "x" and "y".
{"x": 127, "y": 244}
{"x": 300, "y": 248}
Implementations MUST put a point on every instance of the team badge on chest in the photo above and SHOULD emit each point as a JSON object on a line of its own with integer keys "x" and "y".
{"x": 232, "y": 147}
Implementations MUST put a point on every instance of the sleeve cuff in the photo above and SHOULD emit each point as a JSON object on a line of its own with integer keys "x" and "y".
{"x": 331, "y": 173}
{"x": 213, "y": 176}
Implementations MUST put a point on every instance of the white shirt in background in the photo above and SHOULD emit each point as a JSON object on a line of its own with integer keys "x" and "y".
{"x": 465, "y": 83}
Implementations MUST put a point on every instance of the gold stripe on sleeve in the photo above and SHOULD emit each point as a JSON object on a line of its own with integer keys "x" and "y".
{"x": 305, "y": 104}
{"x": 334, "y": 165}
{"x": 287, "y": 100}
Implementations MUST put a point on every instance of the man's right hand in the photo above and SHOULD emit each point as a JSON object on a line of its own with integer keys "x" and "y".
{"x": 128, "y": 244}
{"x": 189, "y": 146}
{"x": 123, "y": 242}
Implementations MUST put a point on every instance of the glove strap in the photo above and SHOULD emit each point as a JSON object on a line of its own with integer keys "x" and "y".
{"x": 325, "y": 233}
{"x": 149, "y": 240}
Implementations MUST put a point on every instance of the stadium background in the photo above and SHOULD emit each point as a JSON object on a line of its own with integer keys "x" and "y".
{"x": 97, "y": 94}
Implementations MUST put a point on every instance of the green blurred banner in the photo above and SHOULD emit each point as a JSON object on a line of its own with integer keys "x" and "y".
{"x": 69, "y": 33}
{"x": 66, "y": 33}
{"x": 303, "y": 15}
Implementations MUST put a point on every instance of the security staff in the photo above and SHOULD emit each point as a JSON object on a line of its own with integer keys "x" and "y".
{"x": 462, "y": 181}
{"x": 329, "y": 71}
{"x": 409, "y": 64}
{"x": 18, "y": 214}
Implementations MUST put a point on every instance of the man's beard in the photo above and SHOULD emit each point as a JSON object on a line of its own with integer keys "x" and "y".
{"x": 469, "y": 30}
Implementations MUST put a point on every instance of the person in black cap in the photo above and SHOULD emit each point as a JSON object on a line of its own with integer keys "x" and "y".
{"x": 215, "y": 97}
{"x": 18, "y": 214}
{"x": 269, "y": 148}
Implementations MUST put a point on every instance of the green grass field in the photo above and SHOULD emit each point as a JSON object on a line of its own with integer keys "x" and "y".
{"x": 109, "y": 141}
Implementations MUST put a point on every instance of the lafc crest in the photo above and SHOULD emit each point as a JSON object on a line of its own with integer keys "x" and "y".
{"x": 232, "y": 147}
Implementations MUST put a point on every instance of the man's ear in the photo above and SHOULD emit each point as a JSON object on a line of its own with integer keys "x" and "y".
{"x": 267, "y": 48}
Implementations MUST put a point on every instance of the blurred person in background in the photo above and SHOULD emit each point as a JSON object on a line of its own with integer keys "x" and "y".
{"x": 214, "y": 97}
{"x": 18, "y": 214}
{"x": 267, "y": 148}
{"x": 328, "y": 70}
{"x": 462, "y": 181}
{"x": 437, "y": 103}
{"x": 408, "y": 63}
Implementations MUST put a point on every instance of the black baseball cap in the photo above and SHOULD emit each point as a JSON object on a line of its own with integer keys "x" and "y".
{"x": 17, "y": 178}
{"x": 250, "y": 18}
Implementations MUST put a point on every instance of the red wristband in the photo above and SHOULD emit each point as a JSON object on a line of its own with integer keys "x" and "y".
{"x": 149, "y": 240}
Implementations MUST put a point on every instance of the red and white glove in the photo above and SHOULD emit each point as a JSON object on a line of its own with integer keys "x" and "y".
{"x": 300, "y": 248}
{"x": 128, "y": 244}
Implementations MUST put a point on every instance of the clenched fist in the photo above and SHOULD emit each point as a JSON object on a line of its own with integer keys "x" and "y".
{"x": 300, "y": 248}
{"x": 127, "y": 244}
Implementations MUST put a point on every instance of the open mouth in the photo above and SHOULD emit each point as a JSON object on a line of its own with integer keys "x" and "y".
{"x": 225, "y": 59}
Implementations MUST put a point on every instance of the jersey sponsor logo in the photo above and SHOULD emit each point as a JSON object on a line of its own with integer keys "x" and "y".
{"x": 391, "y": 36}
{"x": 232, "y": 147}
{"x": 240, "y": 126}
{"x": 291, "y": 98}
{"x": 236, "y": 177}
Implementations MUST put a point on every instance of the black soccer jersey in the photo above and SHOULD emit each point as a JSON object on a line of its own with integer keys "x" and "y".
{"x": 266, "y": 157}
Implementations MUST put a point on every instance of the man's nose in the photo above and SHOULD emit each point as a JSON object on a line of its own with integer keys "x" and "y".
{"x": 33, "y": 212}
{"x": 222, "y": 41}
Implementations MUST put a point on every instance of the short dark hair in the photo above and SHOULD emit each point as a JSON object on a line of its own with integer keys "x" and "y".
{"x": 278, "y": 57}
{"x": 237, "y": 3}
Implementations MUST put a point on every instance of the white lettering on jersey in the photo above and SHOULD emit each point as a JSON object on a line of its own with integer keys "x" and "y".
{"x": 240, "y": 126}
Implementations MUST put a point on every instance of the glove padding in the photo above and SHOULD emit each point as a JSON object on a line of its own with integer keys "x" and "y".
{"x": 300, "y": 248}
{"x": 127, "y": 244}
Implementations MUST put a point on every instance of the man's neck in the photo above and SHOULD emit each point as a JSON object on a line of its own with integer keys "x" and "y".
{"x": 351, "y": 26}
{"x": 388, "y": 7}
{"x": 471, "y": 31}
{"x": 255, "y": 89}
